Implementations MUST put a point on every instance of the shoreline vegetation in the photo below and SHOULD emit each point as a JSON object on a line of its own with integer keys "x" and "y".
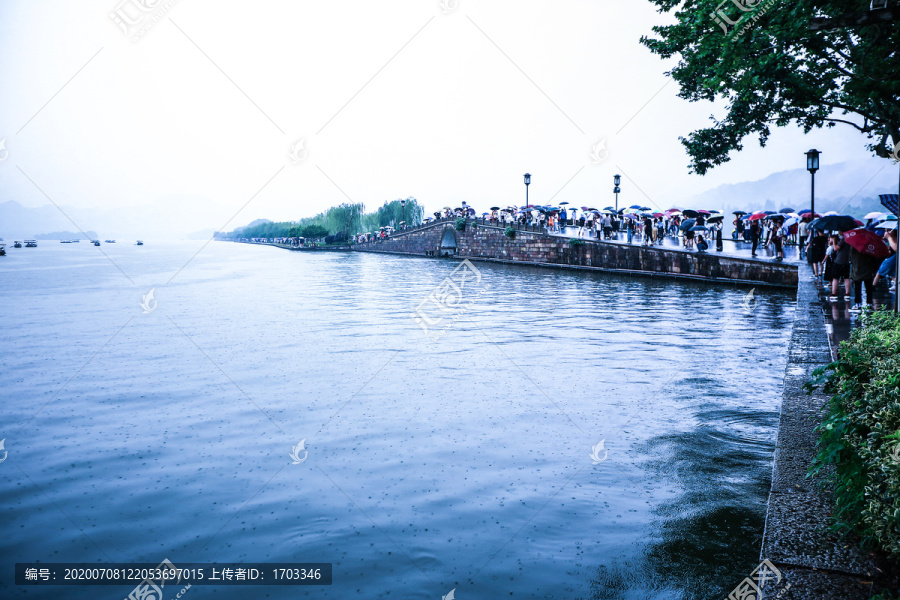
{"x": 859, "y": 443}
{"x": 339, "y": 222}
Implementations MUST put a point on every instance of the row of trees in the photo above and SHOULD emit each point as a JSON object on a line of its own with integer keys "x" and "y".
{"x": 341, "y": 221}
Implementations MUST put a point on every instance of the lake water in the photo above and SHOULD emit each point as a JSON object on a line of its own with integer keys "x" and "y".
{"x": 455, "y": 460}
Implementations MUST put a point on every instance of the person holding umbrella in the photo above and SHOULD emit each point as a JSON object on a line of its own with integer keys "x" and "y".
{"x": 840, "y": 268}
{"x": 815, "y": 251}
{"x": 754, "y": 236}
{"x": 889, "y": 265}
{"x": 867, "y": 250}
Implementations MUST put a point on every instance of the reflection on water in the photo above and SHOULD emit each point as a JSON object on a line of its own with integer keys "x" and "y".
{"x": 462, "y": 462}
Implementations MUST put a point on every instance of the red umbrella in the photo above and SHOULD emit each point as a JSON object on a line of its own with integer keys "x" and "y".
{"x": 757, "y": 216}
{"x": 657, "y": 215}
{"x": 867, "y": 242}
{"x": 704, "y": 212}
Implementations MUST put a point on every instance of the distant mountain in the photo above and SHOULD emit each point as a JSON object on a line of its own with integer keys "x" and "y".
{"x": 252, "y": 224}
{"x": 203, "y": 234}
{"x": 67, "y": 235}
{"x": 848, "y": 187}
{"x": 173, "y": 217}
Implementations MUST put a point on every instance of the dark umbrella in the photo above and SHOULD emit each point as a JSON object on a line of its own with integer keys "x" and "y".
{"x": 715, "y": 219}
{"x": 834, "y": 223}
{"x": 739, "y": 212}
{"x": 646, "y": 208}
{"x": 612, "y": 208}
{"x": 785, "y": 211}
{"x": 769, "y": 212}
{"x": 698, "y": 228}
{"x": 690, "y": 213}
{"x": 704, "y": 212}
{"x": 495, "y": 208}
{"x": 635, "y": 206}
{"x": 687, "y": 224}
{"x": 867, "y": 242}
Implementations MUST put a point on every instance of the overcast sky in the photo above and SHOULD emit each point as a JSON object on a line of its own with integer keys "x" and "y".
{"x": 390, "y": 99}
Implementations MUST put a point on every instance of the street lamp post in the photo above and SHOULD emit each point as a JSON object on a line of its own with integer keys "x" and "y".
{"x": 812, "y": 165}
{"x": 527, "y": 183}
{"x": 403, "y": 211}
{"x": 617, "y": 179}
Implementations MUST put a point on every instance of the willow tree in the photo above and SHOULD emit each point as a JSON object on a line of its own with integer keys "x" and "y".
{"x": 813, "y": 63}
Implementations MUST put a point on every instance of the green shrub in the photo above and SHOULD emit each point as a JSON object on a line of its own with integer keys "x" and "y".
{"x": 509, "y": 232}
{"x": 461, "y": 224}
{"x": 575, "y": 242}
{"x": 860, "y": 434}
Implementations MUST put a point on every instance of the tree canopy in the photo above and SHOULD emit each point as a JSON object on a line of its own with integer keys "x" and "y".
{"x": 339, "y": 221}
{"x": 762, "y": 58}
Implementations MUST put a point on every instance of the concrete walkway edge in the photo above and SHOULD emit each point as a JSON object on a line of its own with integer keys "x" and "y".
{"x": 814, "y": 562}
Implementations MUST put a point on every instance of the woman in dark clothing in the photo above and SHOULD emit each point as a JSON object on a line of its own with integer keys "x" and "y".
{"x": 702, "y": 246}
{"x": 841, "y": 268}
{"x": 862, "y": 271}
{"x": 815, "y": 252}
{"x": 754, "y": 236}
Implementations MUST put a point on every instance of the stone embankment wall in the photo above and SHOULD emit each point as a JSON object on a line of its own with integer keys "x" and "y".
{"x": 486, "y": 242}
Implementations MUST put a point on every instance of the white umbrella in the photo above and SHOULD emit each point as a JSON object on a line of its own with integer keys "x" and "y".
{"x": 874, "y": 215}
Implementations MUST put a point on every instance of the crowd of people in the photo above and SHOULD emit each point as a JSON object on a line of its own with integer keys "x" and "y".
{"x": 839, "y": 248}
{"x": 836, "y": 259}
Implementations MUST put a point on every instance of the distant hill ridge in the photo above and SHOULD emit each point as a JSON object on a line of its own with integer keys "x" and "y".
{"x": 67, "y": 235}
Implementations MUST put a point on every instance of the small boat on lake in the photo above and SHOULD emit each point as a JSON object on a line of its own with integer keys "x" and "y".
{"x": 110, "y": 241}
{"x": 65, "y": 241}
{"x": 2, "y": 249}
{"x": 139, "y": 243}
{"x": 17, "y": 244}
{"x": 96, "y": 242}
{"x": 31, "y": 243}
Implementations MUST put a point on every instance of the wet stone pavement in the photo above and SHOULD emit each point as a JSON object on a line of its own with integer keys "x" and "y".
{"x": 814, "y": 563}
{"x": 730, "y": 247}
